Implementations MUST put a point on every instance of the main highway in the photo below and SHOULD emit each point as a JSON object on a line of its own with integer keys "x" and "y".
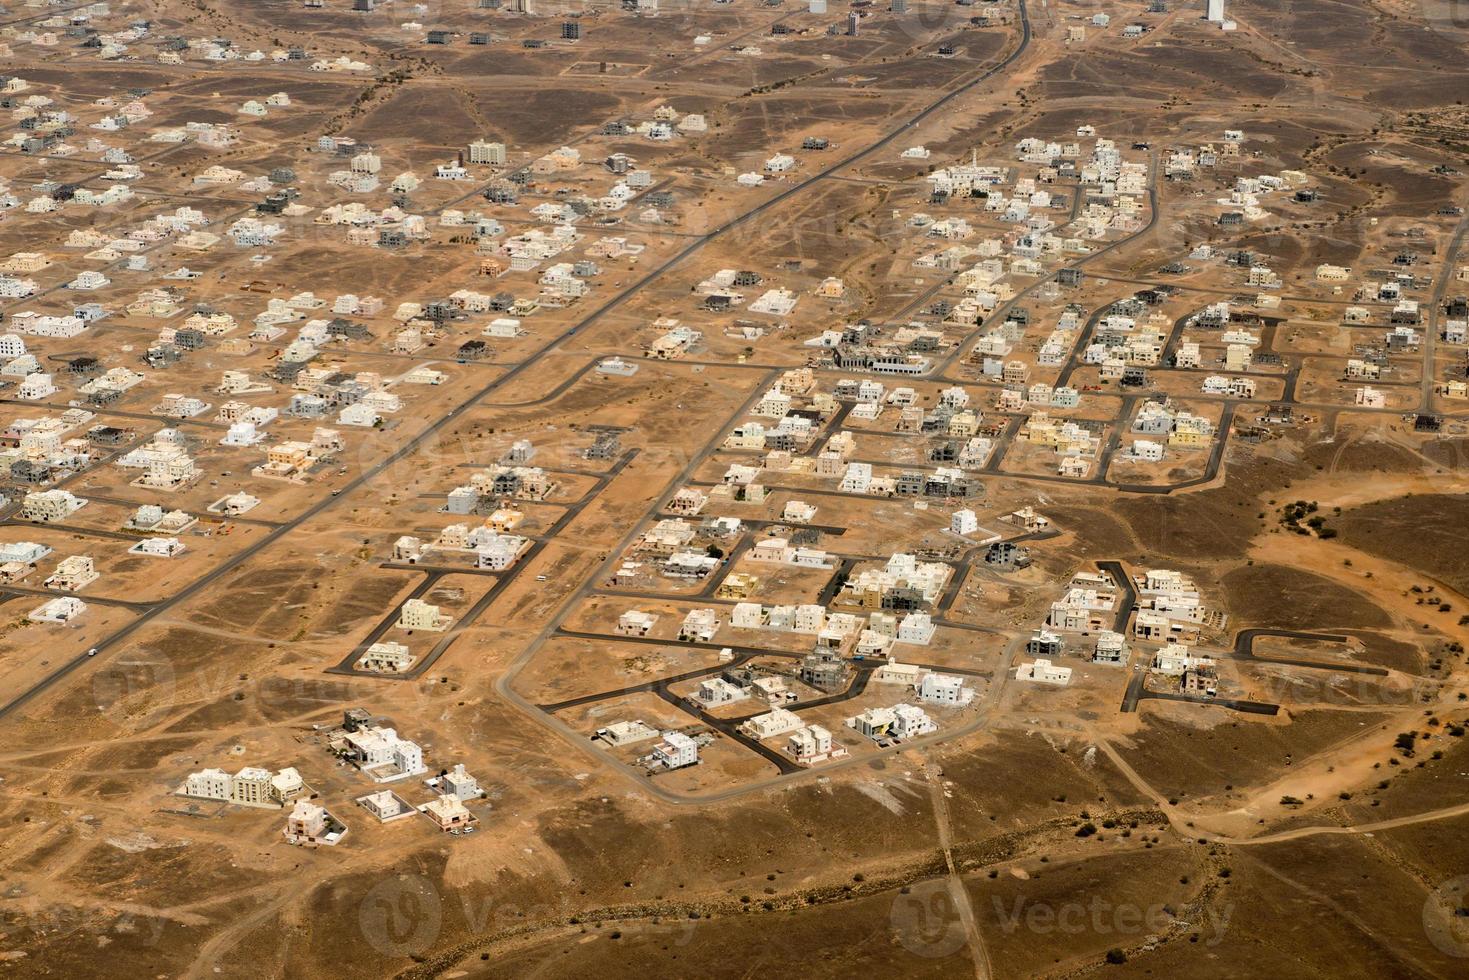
{"x": 370, "y": 474}
{"x": 504, "y": 685}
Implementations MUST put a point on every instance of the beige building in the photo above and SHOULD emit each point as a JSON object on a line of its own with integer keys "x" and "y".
{"x": 419, "y": 615}
{"x": 386, "y": 658}
{"x": 448, "y": 813}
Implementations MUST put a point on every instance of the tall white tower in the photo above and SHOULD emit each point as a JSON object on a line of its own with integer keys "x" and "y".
{"x": 1215, "y": 11}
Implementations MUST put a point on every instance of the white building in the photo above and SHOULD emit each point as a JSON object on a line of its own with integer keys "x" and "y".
{"x": 676, "y": 751}
{"x": 778, "y": 721}
{"x": 1174, "y": 659}
{"x": 234, "y": 504}
{"x": 944, "y": 689}
{"x": 899, "y": 721}
{"x": 251, "y": 786}
{"x": 635, "y": 622}
{"x": 964, "y": 522}
{"x": 810, "y": 744}
{"x": 158, "y": 548}
{"x": 306, "y": 824}
{"x": 208, "y": 784}
{"x": 1044, "y": 672}
{"x": 716, "y": 690}
{"x": 23, "y": 552}
{"x": 62, "y": 609}
{"x": 458, "y": 783}
{"x": 168, "y": 472}
{"x": 917, "y": 627}
{"x": 35, "y": 387}
{"x": 857, "y": 478}
{"x": 699, "y": 626}
{"x": 381, "y": 754}
{"x": 1111, "y": 648}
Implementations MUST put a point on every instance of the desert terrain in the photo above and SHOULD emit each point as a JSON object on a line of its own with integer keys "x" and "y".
{"x": 529, "y": 488}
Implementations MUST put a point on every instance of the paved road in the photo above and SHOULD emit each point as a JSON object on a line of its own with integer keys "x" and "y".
{"x": 1136, "y": 692}
{"x": 504, "y": 685}
{"x": 1000, "y": 312}
{"x": 19, "y": 590}
{"x": 1244, "y": 649}
{"x": 94, "y": 532}
{"x": 1436, "y": 304}
{"x": 367, "y": 476}
{"x": 203, "y": 516}
{"x": 992, "y": 465}
{"x": 689, "y": 675}
{"x": 1235, "y": 704}
{"x": 503, "y": 580}
{"x": 434, "y": 427}
{"x": 730, "y": 729}
{"x": 173, "y": 423}
{"x": 413, "y": 444}
{"x": 1127, "y": 599}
